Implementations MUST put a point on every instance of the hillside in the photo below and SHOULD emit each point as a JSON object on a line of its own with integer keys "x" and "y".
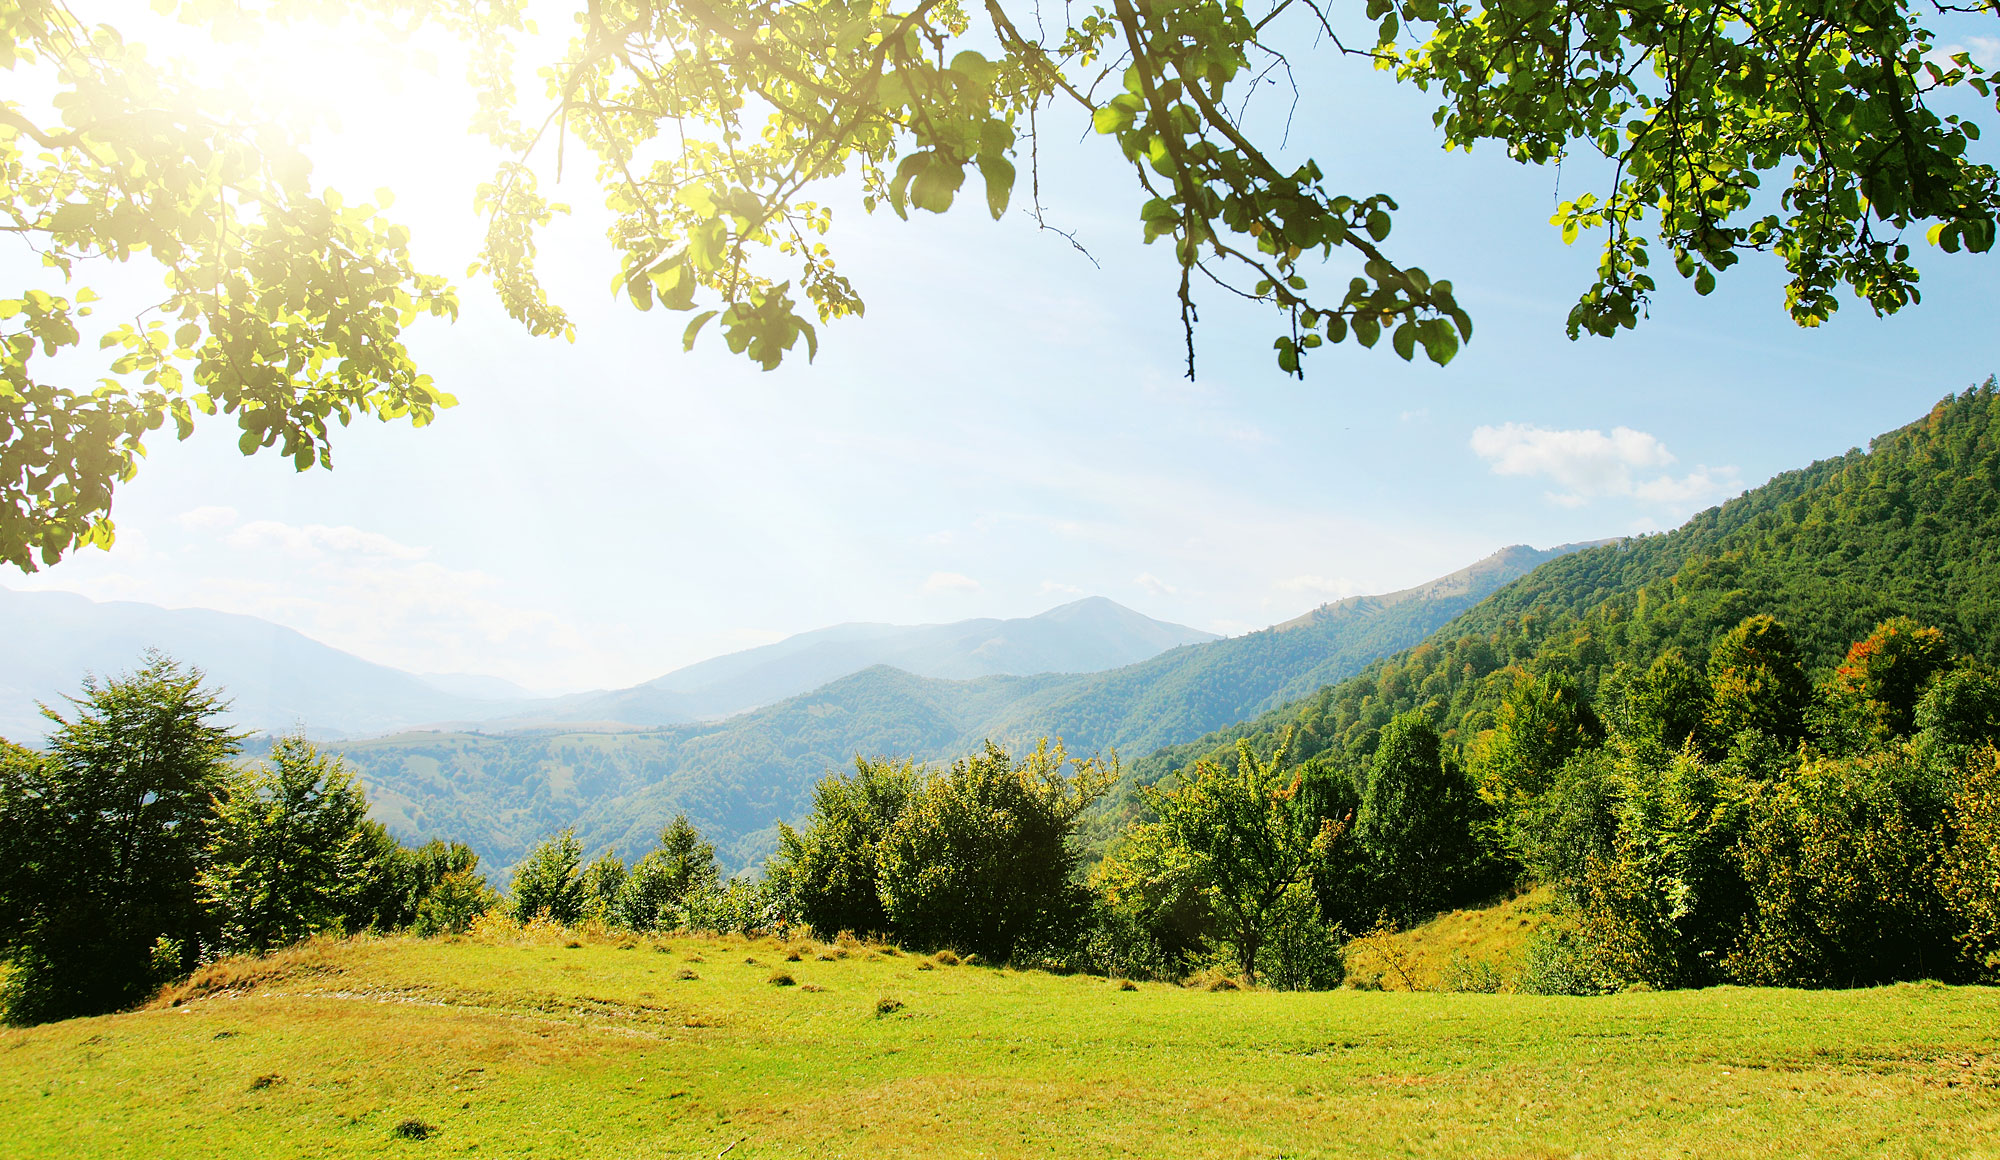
{"x": 1911, "y": 526}
{"x": 276, "y": 678}
{"x": 565, "y": 1045}
{"x": 739, "y": 777}
{"x": 1084, "y": 636}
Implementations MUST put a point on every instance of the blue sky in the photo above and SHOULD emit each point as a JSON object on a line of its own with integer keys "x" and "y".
{"x": 1007, "y": 428}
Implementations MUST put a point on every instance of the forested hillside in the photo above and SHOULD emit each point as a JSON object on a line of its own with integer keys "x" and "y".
{"x": 738, "y": 778}
{"x": 1909, "y": 527}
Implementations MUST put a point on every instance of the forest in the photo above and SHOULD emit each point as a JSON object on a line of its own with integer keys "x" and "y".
{"x": 1757, "y": 750}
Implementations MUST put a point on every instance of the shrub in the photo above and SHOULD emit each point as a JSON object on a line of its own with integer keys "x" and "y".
{"x": 1970, "y": 874}
{"x": 549, "y": 881}
{"x": 1465, "y": 973}
{"x": 1836, "y": 860}
{"x": 983, "y": 855}
{"x": 887, "y": 1005}
{"x": 1560, "y": 961}
{"x": 781, "y": 979}
{"x": 826, "y": 876}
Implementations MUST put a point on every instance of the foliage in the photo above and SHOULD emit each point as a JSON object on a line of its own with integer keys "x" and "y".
{"x": 712, "y": 128}
{"x": 1415, "y": 824}
{"x": 1560, "y": 961}
{"x": 1251, "y": 839}
{"x": 280, "y": 303}
{"x": 549, "y": 882}
{"x": 828, "y": 873}
{"x": 287, "y": 842}
{"x": 1755, "y": 683}
{"x": 1838, "y": 861}
{"x": 106, "y": 834}
{"x": 767, "y": 104}
{"x": 1886, "y": 671}
{"x": 682, "y": 866}
{"x": 1970, "y": 874}
{"x": 983, "y": 857}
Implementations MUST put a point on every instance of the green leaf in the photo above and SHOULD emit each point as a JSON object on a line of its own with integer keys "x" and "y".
{"x": 694, "y": 328}
{"x": 1405, "y": 341}
{"x": 999, "y": 175}
{"x": 1378, "y": 225}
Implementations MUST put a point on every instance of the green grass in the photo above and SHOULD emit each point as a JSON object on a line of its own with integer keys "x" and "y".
{"x": 1420, "y": 958}
{"x": 529, "y": 1047}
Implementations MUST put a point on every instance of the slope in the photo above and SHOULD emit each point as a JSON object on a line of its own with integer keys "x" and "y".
{"x": 737, "y": 778}
{"x": 1912, "y": 526}
{"x": 1083, "y": 636}
{"x": 276, "y": 678}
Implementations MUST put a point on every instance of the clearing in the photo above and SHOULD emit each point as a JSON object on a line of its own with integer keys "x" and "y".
{"x": 559, "y": 1045}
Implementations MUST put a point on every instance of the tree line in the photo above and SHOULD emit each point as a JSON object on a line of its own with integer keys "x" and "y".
{"x": 1710, "y": 819}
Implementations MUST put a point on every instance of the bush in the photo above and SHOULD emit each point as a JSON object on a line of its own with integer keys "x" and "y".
{"x": 826, "y": 876}
{"x": 549, "y": 883}
{"x": 1559, "y": 960}
{"x": 983, "y": 856}
{"x": 661, "y": 882}
{"x": 1970, "y": 875}
{"x": 1301, "y": 952}
{"x": 1836, "y": 860}
{"x": 1465, "y": 973}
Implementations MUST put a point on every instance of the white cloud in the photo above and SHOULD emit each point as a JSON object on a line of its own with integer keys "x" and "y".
{"x": 1414, "y": 416}
{"x": 1325, "y": 587}
{"x": 1588, "y": 464}
{"x": 208, "y": 519}
{"x": 1154, "y": 584}
{"x": 951, "y": 582}
{"x": 314, "y": 541}
{"x": 1061, "y": 589}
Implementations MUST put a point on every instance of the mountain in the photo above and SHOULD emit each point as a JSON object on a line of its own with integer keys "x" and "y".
{"x": 1909, "y": 527}
{"x": 276, "y": 678}
{"x": 280, "y": 680}
{"x": 737, "y": 778}
{"x": 1081, "y": 637}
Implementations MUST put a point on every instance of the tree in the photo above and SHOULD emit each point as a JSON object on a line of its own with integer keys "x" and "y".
{"x": 1415, "y": 821}
{"x": 1756, "y": 683}
{"x": 288, "y": 850}
{"x": 549, "y": 882}
{"x": 716, "y": 126}
{"x": 828, "y": 872}
{"x": 983, "y": 858}
{"x": 682, "y": 865}
{"x": 1668, "y": 704}
{"x": 1253, "y": 836}
{"x": 108, "y": 831}
{"x": 281, "y": 304}
{"x": 1691, "y": 106}
{"x": 1887, "y": 670}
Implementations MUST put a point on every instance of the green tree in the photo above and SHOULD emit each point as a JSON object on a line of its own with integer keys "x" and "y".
{"x": 107, "y": 831}
{"x": 549, "y": 883}
{"x": 1252, "y": 836}
{"x": 983, "y": 858}
{"x": 828, "y": 873}
{"x": 715, "y": 132}
{"x": 1887, "y": 670}
{"x": 288, "y": 851}
{"x": 1961, "y": 708}
{"x": 1756, "y": 683}
{"x": 1415, "y": 824}
{"x": 1668, "y": 704}
{"x": 278, "y": 302}
{"x": 682, "y": 866}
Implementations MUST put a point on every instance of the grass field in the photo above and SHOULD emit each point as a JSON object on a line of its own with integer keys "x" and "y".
{"x": 530, "y": 1047}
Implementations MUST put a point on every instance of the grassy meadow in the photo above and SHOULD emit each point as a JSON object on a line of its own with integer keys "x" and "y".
{"x": 546, "y": 1043}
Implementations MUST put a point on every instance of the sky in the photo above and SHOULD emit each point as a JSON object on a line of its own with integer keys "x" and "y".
{"x": 1006, "y": 430}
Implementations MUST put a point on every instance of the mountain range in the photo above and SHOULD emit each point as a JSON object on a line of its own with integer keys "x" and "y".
{"x": 739, "y": 777}
{"x": 279, "y": 680}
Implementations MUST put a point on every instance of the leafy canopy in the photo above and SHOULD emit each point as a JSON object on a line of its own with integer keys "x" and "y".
{"x": 717, "y": 128}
